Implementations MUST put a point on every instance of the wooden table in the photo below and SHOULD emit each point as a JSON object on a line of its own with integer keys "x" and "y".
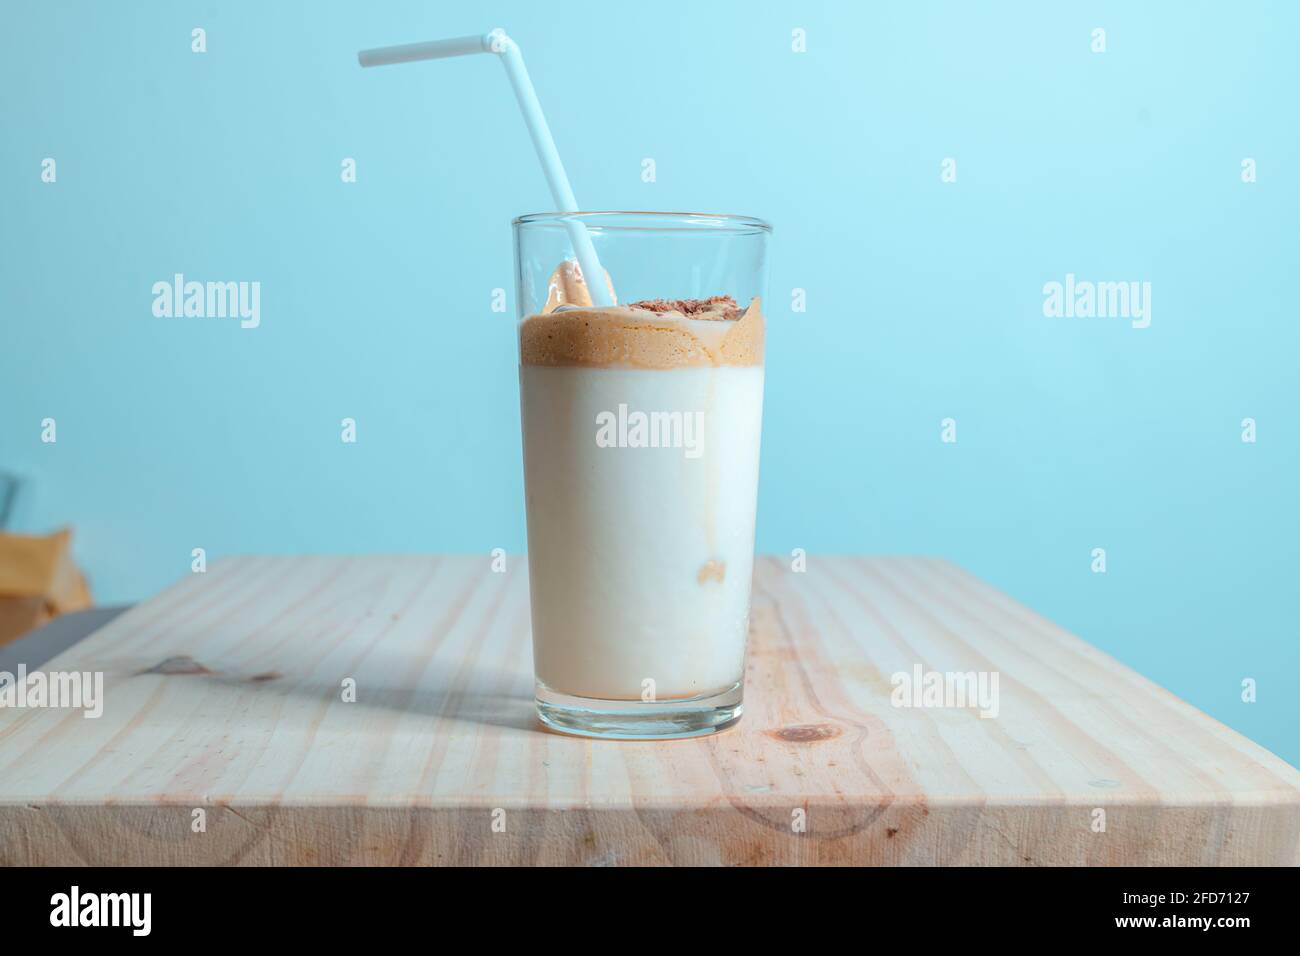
{"x": 225, "y": 715}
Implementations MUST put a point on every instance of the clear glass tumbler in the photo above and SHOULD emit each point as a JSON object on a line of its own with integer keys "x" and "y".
{"x": 641, "y": 427}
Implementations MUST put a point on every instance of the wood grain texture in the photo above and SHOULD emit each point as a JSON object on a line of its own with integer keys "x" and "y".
{"x": 250, "y": 727}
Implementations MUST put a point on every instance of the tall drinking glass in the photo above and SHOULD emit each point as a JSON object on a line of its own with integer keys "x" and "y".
{"x": 641, "y": 427}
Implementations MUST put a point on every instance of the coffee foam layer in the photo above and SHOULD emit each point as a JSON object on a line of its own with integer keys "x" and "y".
{"x": 632, "y": 337}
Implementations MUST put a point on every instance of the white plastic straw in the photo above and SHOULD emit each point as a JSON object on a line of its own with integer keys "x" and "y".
{"x": 512, "y": 59}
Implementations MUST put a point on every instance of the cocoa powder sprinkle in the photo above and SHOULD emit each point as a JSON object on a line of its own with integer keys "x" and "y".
{"x": 718, "y": 307}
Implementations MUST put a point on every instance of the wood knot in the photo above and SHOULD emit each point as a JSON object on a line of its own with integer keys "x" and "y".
{"x": 176, "y": 665}
{"x": 806, "y": 733}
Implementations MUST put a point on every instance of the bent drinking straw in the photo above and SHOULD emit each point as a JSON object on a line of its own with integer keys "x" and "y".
{"x": 512, "y": 59}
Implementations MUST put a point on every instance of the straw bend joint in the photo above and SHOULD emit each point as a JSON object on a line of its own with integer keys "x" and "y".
{"x": 498, "y": 41}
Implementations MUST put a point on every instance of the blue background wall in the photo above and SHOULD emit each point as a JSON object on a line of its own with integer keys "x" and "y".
{"x": 924, "y": 298}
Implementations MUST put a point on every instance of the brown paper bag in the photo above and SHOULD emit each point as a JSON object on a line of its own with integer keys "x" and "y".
{"x": 38, "y": 582}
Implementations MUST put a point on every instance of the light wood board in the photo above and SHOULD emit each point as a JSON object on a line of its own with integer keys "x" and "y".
{"x": 441, "y": 760}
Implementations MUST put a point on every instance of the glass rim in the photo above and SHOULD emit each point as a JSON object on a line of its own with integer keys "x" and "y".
{"x": 611, "y": 219}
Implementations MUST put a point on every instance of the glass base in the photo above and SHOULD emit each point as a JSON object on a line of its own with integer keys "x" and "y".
{"x": 638, "y": 719}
